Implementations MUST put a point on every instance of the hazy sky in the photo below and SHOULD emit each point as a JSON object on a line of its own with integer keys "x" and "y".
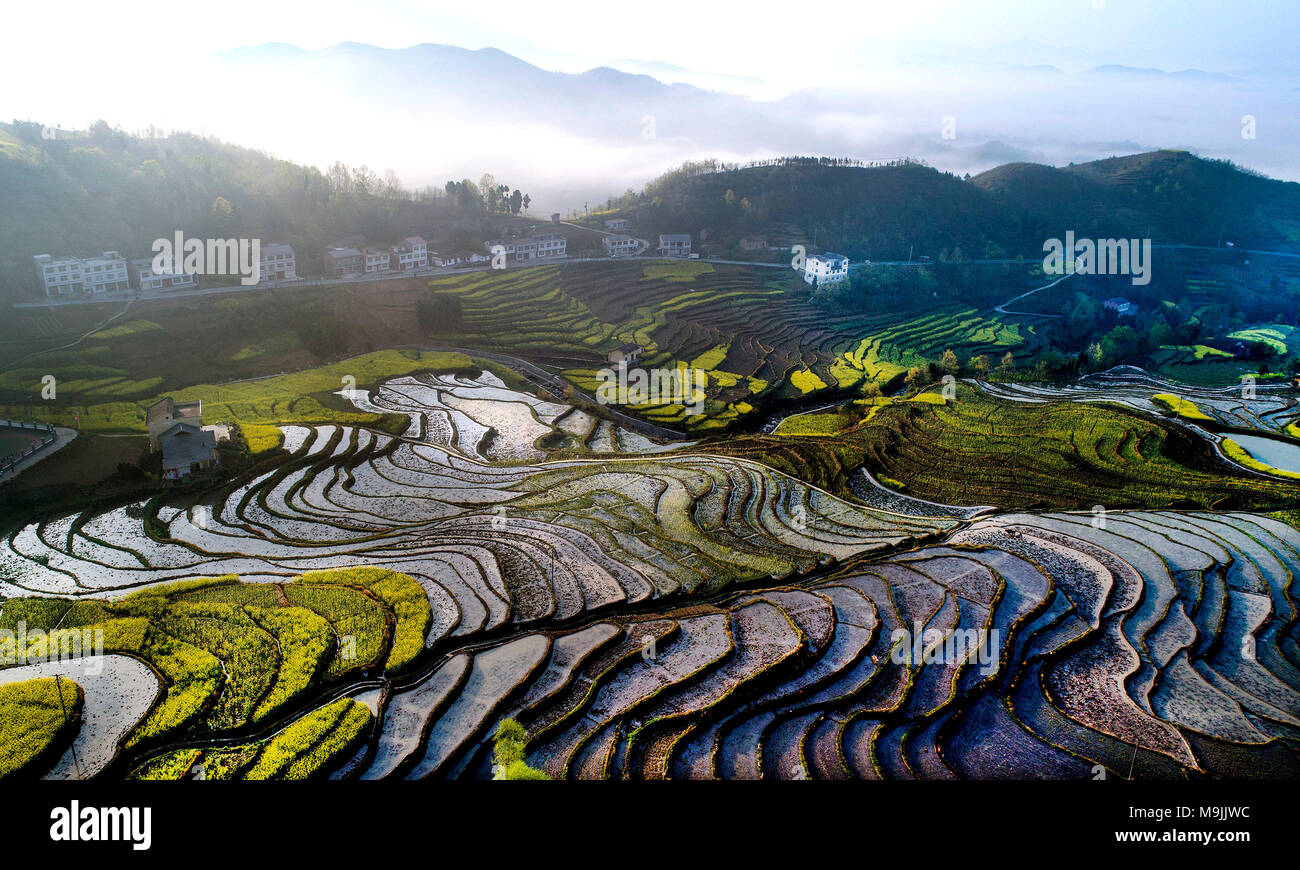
{"x": 792, "y": 43}
{"x": 884, "y": 73}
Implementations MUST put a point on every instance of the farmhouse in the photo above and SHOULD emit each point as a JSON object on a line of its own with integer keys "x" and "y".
{"x": 165, "y": 413}
{"x": 620, "y": 245}
{"x": 376, "y": 260}
{"x": 618, "y": 225}
{"x": 102, "y": 274}
{"x": 410, "y": 254}
{"x": 547, "y": 246}
{"x": 1120, "y": 306}
{"x": 675, "y": 244}
{"x": 186, "y": 448}
{"x": 143, "y": 277}
{"x": 278, "y": 263}
{"x": 342, "y": 261}
{"x": 625, "y": 354}
{"x": 825, "y": 268}
{"x": 551, "y": 246}
{"x": 753, "y": 243}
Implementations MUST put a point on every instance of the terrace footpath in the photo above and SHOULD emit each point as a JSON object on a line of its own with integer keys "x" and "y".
{"x": 557, "y": 385}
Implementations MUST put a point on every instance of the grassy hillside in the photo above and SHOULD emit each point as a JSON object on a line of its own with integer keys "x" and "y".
{"x": 885, "y": 212}
{"x": 83, "y": 193}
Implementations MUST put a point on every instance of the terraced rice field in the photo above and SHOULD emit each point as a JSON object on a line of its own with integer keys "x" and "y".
{"x": 753, "y": 331}
{"x": 1271, "y": 408}
{"x": 378, "y": 605}
{"x": 1160, "y": 645}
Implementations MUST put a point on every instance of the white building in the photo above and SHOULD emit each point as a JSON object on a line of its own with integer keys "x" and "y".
{"x": 675, "y": 244}
{"x": 618, "y": 225}
{"x": 143, "y": 277}
{"x": 547, "y": 246}
{"x": 60, "y": 276}
{"x": 825, "y": 268}
{"x": 278, "y": 263}
{"x": 409, "y": 254}
{"x": 551, "y": 246}
{"x": 377, "y": 261}
{"x": 620, "y": 245}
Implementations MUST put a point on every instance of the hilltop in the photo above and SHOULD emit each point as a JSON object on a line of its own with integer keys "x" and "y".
{"x": 883, "y": 212}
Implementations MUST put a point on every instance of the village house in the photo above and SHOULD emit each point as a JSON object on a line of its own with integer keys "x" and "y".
{"x": 625, "y": 354}
{"x": 753, "y": 243}
{"x": 551, "y": 246}
{"x": 342, "y": 261}
{"x": 186, "y": 448}
{"x": 825, "y": 268}
{"x": 164, "y": 413}
{"x": 618, "y": 225}
{"x": 59, "y": 276}
{"x": 620, "y": 245}
{"x": 547, "y": 246}
{"x": 277, "y": 263}
{"x": 410, "y": 254}
{"x": 1120, "y": 306}
{"x": 376, "y": 260}
{"x": 143, "y": 277}
{"x": 675, "y": 244}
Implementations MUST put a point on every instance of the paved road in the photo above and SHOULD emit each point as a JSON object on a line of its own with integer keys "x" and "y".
{"x": 64, "y": 438}
{"x": 358, "y": 279}
{"x": 1002, "y": 309}
{"x": 441, "y": 272}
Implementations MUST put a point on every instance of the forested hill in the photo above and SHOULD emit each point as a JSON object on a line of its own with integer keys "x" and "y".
{"x": 883, "y": 212}
{"x": 86, "y": 192}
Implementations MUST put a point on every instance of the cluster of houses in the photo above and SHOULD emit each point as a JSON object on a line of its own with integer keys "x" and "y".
{"x": 111, "y": 272}
{"x": 619, "y": 244}
{"x": 412, "y": 254}
{"x": 409, "y": 255}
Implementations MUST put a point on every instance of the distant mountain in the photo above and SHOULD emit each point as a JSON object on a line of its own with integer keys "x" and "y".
{"x": 434, "y": 111}
{"x": 1189, "y": 74}
{"x": 488, "y": 84}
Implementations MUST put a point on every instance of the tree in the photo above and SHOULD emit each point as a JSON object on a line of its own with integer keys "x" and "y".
{"x": 948, "y": 362}
{"x": 516, "y": 202}
{"x": 915, "y": 378}
{"x": 1096, "y": 354}
{"x": 982, "y": 365}
{"x": 527, "y": 199}
{"x": 1008, "y": 364}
